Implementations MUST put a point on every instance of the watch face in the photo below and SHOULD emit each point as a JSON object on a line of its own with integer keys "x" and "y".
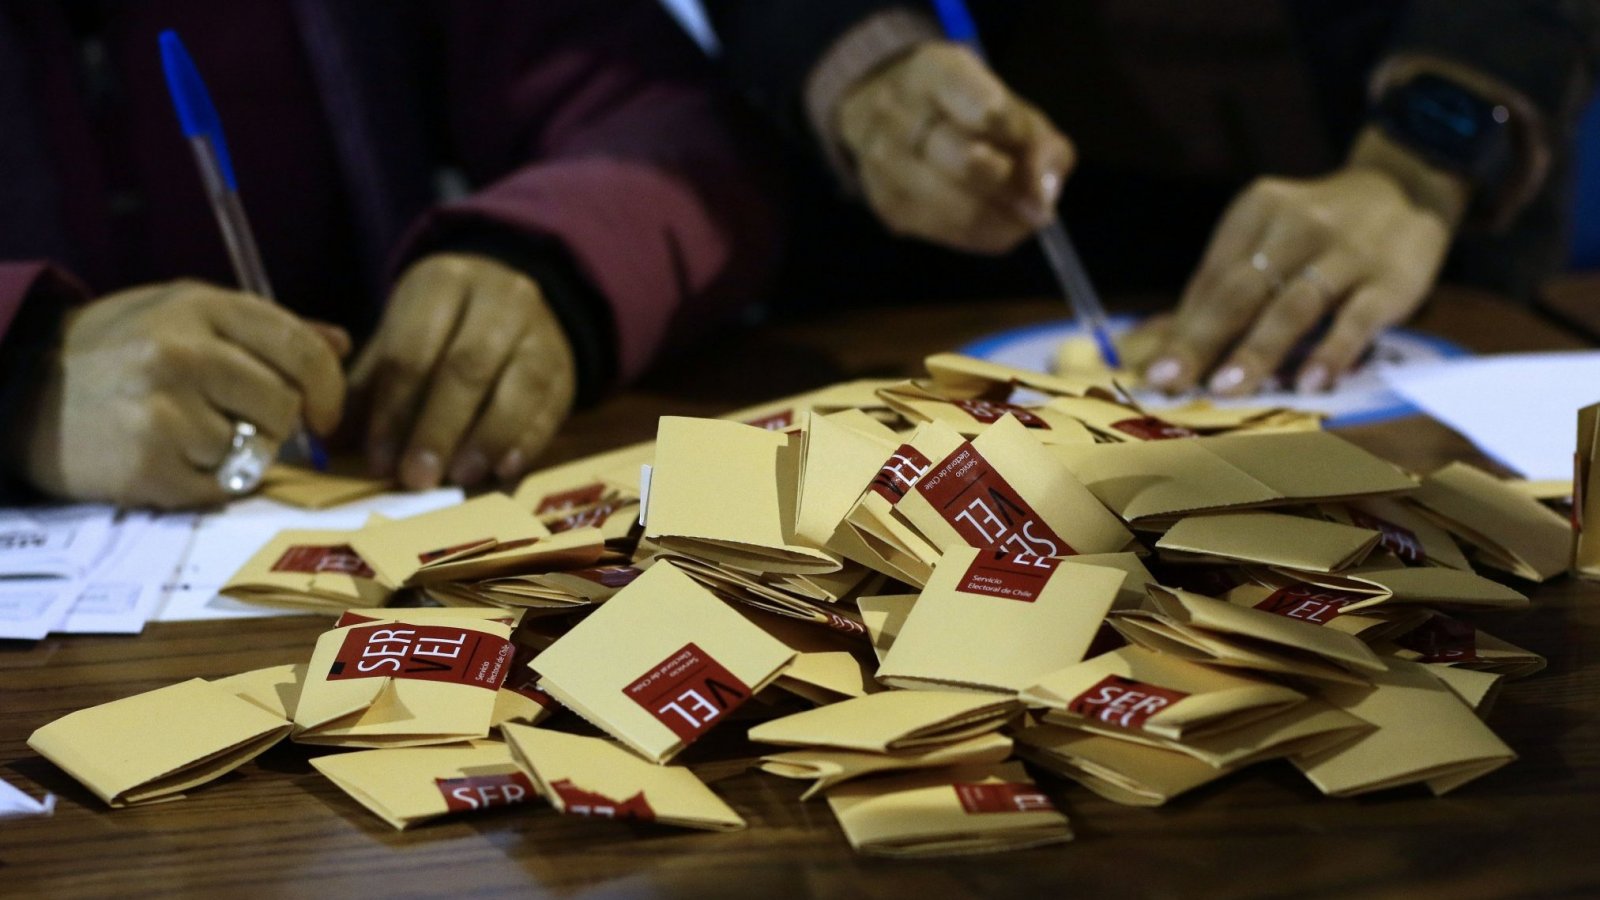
{"x": 1446, "y": 123}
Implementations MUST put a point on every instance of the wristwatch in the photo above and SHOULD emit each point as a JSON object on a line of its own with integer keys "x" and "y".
{"x": 1450, "y": 127}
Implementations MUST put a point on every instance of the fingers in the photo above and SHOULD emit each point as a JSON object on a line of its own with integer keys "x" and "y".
{"x": 529, "y": 404}
{"x": 1286, "y": 319}
{"x": 465, "y": 378}
{"x": 422, "y": 317}
{"x": 1371, "y": 309}
{"x": 919, "y": 201}
{"x": 240, "y": 386}
{"x": 291, "y": 347}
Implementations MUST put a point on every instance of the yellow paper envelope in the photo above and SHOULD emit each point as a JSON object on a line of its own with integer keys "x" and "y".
{"x": 572, "y": 485}
{"x": 827, "y": 677}
{"x": 398, "y": 549}
{"x": 310, "y": 489}
{"x": 1430, "y": 585}
{"x": 275, "y": 689}
{"x": 957, "y": 811}
{"x": 1118, "y": 422}
{"x": 575, "y": 548}
{"x": 1403, "y": 531}
{"x": 890, "y": 721}
{"x": 1511, "y": 531}
{"x": 969, "y": 416}
{"x": 1424, "y": 733}
{"x": 1133, "y": 689}
{"x": 411, "y": 785}
{"x": 156, "y": 745}
{"x": 969, "y": 376}
{"x": 585, "y": 776}
{"x": 991, "y": 622}
{"x": 1120, "y": 771}
{"x": 302, "y": 569}
{"x": 831, "y": 767}
{"x": 1267, "y": 538}
{"x": 1477, "y": 689}
{"x": 1446, "y": 641}
{"x": 404, "y": 681}
{"x": 884, "y": 616}
{"x": 1326, "y": 607}
{"x": 661, "y": 663}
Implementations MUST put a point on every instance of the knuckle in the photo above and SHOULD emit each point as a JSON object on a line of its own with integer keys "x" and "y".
{"x": 474, "y": 368}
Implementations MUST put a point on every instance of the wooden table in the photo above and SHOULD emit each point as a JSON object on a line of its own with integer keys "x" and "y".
{"x": 278, "y": 828}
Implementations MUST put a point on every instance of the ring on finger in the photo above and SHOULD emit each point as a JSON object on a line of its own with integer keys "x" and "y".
{"x": 1262, "y": 263}
{"x": 1313, "y": 276}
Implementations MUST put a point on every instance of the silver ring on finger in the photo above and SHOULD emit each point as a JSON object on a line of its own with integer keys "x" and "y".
{"x": 245, "y": 464}
{"x": 1263, "y": 264}
{"x": 1313, "y": 276}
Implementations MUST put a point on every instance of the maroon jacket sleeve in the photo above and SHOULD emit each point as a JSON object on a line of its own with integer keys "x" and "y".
{"x": 593, "y": 125}
{"x": 33, "y": 297}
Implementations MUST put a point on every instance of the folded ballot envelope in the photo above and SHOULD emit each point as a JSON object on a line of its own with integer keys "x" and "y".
{"x": 969, "y": 376}
{"x": 957, "y": 811}
{"x": 1447, "y": 641}
{"x": 661, "y": 663}
{"x": 828, "y": 767}
{"x": 788, "y": 413}
{"x": 570, "y": 486}
{"x": 883, "y": 616}
{"x": 310, "y": 489}
{"x": 1216, "y": 632}
{"x": 1004, "y": 490}
{"x": 275, "y": 689}
{"x": 1325, "y": 607}
{"x": 1404, "y": 532}
{"x": 1150, "y": 483}
{"x": 157, "y": 745}
{"x": 316, "y": 570}
{"x": 1267, "y": 538}
{"x": 405, "y": 680}
{"x": 969, "y": 416}
{"x": 992, "y": 621}
{"x": 1117, "y": 422}
{"x": 407, "y": 786}
{"x": 748, "y": 590}
{"x": 840, "y": 455}
{"x": 1424, "y": 733}
{"x": 1133, "y": 689}
{"x": 1510, "y": 530}
{"x": 1387, "y": 588}
{"x": 724, "y": 492}
{"x": 1120, "y": 771}
{"x": 585, "y": 776}
{"x": 1585, "y": 494}
{"x": 827, "y": 676}
{"x": 891, "y": 721}
{"x": 400, "y": 550}
{"x": 1477, "y": 689}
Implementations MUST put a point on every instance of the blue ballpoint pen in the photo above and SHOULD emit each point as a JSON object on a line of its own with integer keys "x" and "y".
{"x": 248, "y": 456}
{"x": 958, "y": 25}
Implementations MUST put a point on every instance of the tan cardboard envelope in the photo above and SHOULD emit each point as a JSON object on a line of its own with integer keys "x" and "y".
{"x": 309, "y": 489}
{"x": 661, "y": 663}
{"x": 1136, "y": 689}
{"x": 832, "y": 767}
{"x": 1585, "y": 494}
{"x": 1268, "y": 538}
{"x": 565, "y": 487}
{"x": 1546, "y": 490}
{"x": 894, "y": 547}
{"x": 576, "y": 548}
{"x": 1118, "y": 422}
{"x": 890, "y": 721}
{"x": 301, "y": 569}
{"x": 1403, "y": 531}
{"x": 585, "y": 776}
{"x": 398, "y": 549}
{"x": 787, "y": 413}
{"x": 410, "y": 785}
{"x": 275, "y": 689}
{"x": 742, "y": 588}
{"x": 1136, "y": 578}
{"x": 1512, "y": 531}
{"x": 1003, "y": 489}
{"x": 715, "y": 494}
{"x": 827, "y": 677}
{"x": 1326, "y": 607}
{"x": 922, "y": 402}
{"x": 884, "y": 616}
{"x": 1120, "y": 771}
{"x": 956, "y": 811}
{"x": 969, "y": 376}
{"x": 1208, "y": 418}
{"x": 1148, "y": 482}
{"x": 841, "y": 455}
{"x": 1425, "y": 733}
{"x": 1431, "y": 585}
{"x": 1447, "y": 641}
{"x": 1163, "y": 634}
{"x": 1477, "y": 689}
{"x": 404, "y": 681}
{"x": 156, "y": 745}
{"x": 990, "y": 622}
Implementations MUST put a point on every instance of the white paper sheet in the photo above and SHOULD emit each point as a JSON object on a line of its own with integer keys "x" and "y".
{"x": 14, "y": 804}
{"x": 124, "y": 590}
{"x": 1520, "y": 409}
{"x": 53, "y": 541}
{"x": 31, "y": 608}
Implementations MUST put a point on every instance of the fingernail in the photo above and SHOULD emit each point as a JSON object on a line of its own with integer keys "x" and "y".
{"x": 512, "y": 465}
{"x": 1313, "y": 379}
{"x": 1227, "y": 379}
{"x": 469, "y": 468}
{"x": 380, "y": 459}
{"x": 1164, "y": 372}
{"x": 420, "y": 471}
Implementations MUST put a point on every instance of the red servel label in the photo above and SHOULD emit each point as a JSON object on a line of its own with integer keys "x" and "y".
{"x": 593, "y": 515}
{"x": 689, "y": 692}
{"x": 1397, "y": 539}
{"x": 778, "y": 421}
{"x": 1308, "y": 603}
{"x": 996, "y": 573}
{"x": 314, "y": 560}
{"x": 1002, "y": 797}
{"x": 992, "y": 411}
{"x": 1442, "y": 639}
{"x": 1150, "y": 428}
{"x": 563, "y": 501}
{"x": 609, "y": 576}
{"x": 483, "y": 791}
{"x": 576, "y": 801}
{"x": 985, "y": 509}
{"x": 845, "y": 626}
{"x": 423, "y": 653}
{"x": 1123, "y": 702}
{"x": 899, "y": 473}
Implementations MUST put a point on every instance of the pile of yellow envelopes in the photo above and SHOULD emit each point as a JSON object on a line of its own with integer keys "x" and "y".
{"x": 909, "y": 594}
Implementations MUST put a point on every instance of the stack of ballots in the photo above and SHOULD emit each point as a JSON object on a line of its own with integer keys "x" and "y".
{"x": 914, "y": 596}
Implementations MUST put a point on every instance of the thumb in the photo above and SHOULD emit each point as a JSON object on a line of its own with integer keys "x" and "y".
{"x": 337, "y": 338}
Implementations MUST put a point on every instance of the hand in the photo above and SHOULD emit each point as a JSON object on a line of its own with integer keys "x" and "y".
{"x": 945, "y": 152}
{"x": 469, "y": 368}
{"x": 138, "y": 407}
{"x": 1356, "y": 245}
